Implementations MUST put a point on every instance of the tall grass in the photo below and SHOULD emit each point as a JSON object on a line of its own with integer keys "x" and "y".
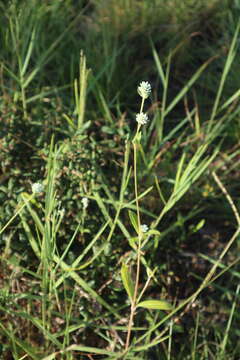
{"x": 113, "y": 254}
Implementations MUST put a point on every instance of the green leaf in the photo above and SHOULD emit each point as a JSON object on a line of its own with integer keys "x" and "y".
{"x": 199, "y": 225}
{"x": 137, "y": 138}
{"x": 107, "y": 130}
{"x": 81, "y": 348}
{"x": 127, "y": 281}
{"x": 155, "y": 304}
{"x": 132, "y": 242}
{"x": 153, "y": 232}
{"x": 134, "y": 220}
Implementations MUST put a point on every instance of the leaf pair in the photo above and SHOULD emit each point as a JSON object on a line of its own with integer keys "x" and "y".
{"x": 147, "y": 304}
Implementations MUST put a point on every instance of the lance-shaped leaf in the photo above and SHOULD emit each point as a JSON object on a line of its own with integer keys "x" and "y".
{"x": 132, "y": 242}
{"x": 153, "y": 232}
{"x": 134, "y": 220}
{"x": 127, "y": 281}
{"x": 155, "y": 304}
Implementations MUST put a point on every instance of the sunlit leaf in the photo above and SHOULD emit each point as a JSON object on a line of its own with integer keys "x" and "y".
{"x": 127, "y": 281}
{"x": 132, "y": 242}
{"x": 155, "y": 304}
{"x": 134, "y": 220}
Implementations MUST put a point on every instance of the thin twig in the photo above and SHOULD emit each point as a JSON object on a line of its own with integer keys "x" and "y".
{"x": 228, "y": 197}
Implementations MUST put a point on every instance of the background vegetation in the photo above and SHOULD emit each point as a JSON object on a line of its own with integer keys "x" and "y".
{"x": 69, "y": 72}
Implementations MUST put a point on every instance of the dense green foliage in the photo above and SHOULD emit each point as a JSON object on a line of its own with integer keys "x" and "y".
{"x": 69, "y": 72}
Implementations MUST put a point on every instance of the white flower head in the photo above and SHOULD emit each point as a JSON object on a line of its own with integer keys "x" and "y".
{"x": 85, "y": 202}
{"x": 144, "y": 89}
{"x": 142, "y": 118}
{"x": 144, "y": 228}
{"x": 37, "y": 188}
{"x": 61, "y": 212}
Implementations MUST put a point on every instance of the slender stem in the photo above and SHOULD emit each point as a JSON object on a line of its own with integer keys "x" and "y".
{"x": 228, "y": 197}
{"x": 145, "y": 286}
{"x": 23, "y": 98}
{"x": 134, "y": 300}
{"x": 141, "y": 109}
{"x": 135, "y": 295}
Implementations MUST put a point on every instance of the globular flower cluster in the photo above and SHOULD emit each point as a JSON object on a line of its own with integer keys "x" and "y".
{"x": 142, "y": 118}
{"x": 85, "y": 202}
{"x": 37, "y": 188}
{"x": 144, "y": 89}
{"x": 144, "y": 228}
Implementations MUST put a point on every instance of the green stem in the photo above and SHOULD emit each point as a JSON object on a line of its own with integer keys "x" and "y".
{"x": 134, "y": 300}
{"x": 141, "y": 108}
{"x": 23, "y": 98}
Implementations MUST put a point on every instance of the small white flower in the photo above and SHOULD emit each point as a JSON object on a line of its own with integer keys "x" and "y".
{"x": 144, "y": 89}
{"x": 37, "y": 188}
{"x": 85, "y": 202}
{"x": 61, "y": 212}
{"x": 144, "y": 228}
{"x": 142, "y": 118}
